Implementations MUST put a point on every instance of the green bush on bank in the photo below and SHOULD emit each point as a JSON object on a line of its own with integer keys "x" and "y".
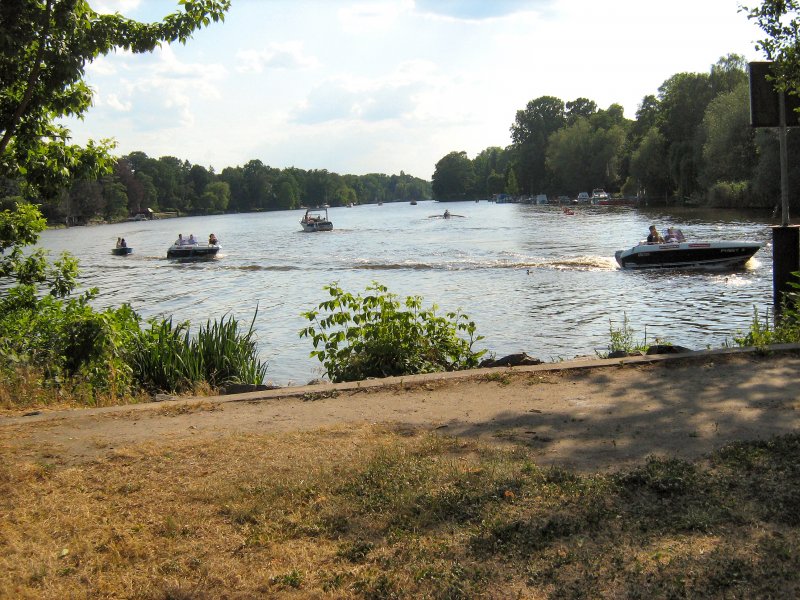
{"x": 112, "y": 353}
{"x": 69, "y": 341}
{"x": 782, "y": 328}
{"x": 377, "y": 335}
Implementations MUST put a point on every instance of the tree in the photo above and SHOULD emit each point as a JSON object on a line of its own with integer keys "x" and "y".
{"x": 453, "y": 177}
{"x": 683, "y": 101}
{"x": 648, "y": 167}
{"x": 728, "y": 73}
{"x": 580, "y": 107}
{"x": 488, "y": 164}
{"x": 531, "y": 129}
{"x": 44, "y": 48}
{"x": 288, "y": 193}
{"x": 216, "y": 196}
{"x": 116, "y": 199}
{"x": 583, "y": 156}
{"x": 729, "y": 150}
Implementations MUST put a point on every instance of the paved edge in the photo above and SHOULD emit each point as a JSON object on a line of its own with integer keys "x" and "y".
{"x": 407, "y": 381}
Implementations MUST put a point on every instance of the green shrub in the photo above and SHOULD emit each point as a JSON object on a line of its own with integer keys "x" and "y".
{"x": 377, "y": 335}
{"x": 785, "y": 330}
{"x": 68, "y": 340}
{"x": 621, "y": 339}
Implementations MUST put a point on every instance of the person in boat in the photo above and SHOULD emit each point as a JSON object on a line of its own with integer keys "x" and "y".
{"x": 654, "y": 237}
{"x": 446, "y": 214}
{"x": 123, "y": 243}
{"x": 673, "y": 235}
{"x": 180, "y": 241}
{"x": 212, "y": 240}
{"x": 119, "y": 242}
{"x": 192, "y": 240}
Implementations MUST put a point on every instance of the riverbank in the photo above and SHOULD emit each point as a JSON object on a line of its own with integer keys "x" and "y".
{"x": 648, "y": 477}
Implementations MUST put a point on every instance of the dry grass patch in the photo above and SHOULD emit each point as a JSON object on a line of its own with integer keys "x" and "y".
{"x": 374, "y": 512}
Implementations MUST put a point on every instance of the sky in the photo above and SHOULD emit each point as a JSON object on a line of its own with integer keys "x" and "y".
{"x": 384, "y": 86}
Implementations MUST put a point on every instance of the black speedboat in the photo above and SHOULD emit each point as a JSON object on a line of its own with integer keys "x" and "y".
{"x": 687, "y": 255}
{"x": 192, "y": 251}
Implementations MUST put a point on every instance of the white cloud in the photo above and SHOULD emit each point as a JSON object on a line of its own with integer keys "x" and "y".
{"x": 287, "y": 56}
{"x": 113, "y": 102}
{"x": 478, "y": 10}
{"x": 372, "y": 16}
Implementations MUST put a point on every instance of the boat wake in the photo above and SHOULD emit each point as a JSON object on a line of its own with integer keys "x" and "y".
{"x": 261, "y": 268}
{"x": 584, "y": 263}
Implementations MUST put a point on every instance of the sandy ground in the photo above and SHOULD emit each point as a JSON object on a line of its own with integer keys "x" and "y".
{"x": 580, "y": 415}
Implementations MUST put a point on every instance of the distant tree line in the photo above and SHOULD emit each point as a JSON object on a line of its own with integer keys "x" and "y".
{"x": 691, "y": 141}
{"x": 168, "y": 184}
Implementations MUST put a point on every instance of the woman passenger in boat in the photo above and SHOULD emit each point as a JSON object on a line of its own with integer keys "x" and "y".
{"x": 212, "y": 240}
{"x": 123, "y": 243}
{"x": 654, "y": 237}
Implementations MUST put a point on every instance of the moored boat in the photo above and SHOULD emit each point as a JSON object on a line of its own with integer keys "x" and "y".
{"x": 684, "y": 254}
{"x": 599, "y": 195}
{"x": 316, "y": 220}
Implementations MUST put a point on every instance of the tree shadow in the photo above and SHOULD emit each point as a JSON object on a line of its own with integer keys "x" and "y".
{"x": 682, "y": 408}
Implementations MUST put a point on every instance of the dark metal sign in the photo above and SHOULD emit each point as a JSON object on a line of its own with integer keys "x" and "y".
{"x": 765, "y": 100}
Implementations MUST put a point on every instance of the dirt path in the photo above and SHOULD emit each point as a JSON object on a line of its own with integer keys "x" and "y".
{"x": 587, "y": 418}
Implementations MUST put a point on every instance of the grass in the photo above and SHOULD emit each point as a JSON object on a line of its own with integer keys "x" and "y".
{"x": 376, "y": 513}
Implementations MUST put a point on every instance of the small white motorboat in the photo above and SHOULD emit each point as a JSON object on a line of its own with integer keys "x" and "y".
{"x": 316, "y": 220}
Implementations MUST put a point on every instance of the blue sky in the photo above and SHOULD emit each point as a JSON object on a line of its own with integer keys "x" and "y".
{"x": 389, "y": 85}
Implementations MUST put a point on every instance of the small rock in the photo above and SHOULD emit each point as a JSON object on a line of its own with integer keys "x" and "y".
{"x": 666, "y": 349}
{"x": 243, "y": 388}
{"x": 512, "y": 360}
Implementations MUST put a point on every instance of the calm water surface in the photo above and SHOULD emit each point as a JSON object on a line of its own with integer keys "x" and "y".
{"x": 532, "y": 278}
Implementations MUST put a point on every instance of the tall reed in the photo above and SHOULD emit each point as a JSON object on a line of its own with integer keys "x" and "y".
{"x": 166, "y": 358}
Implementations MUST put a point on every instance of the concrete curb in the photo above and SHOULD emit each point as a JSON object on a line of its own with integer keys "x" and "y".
{"x": 410, "y": 381}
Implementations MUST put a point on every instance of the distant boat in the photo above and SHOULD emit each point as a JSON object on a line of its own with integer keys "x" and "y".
{"x": 599, "y": 195}
{"x": 316, "y": 220}
{"x": 413, "y": 203}
{"x": 121, "y": 249}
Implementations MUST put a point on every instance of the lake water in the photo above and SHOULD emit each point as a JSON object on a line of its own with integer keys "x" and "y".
{"x": 532, "y": 278}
